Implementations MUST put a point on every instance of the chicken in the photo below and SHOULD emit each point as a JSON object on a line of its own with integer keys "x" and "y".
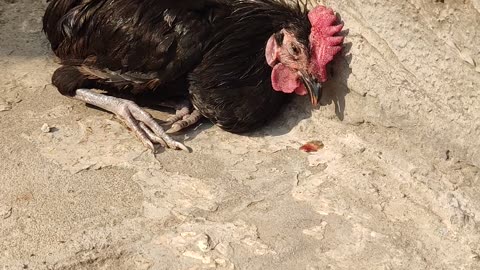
{"x": 234, "y": 62}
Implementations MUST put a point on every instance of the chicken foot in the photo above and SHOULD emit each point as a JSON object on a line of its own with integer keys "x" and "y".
{"x": 186, "y": 121}
{"x": 184, "y": 117}
{"x": 138, "y": 120}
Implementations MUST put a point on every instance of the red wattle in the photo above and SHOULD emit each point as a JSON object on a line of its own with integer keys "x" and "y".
{"x": 301, "y": 90}
{"x": 284, "y": 79}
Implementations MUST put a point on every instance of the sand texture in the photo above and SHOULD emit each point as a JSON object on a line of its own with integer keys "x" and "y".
{"x": 396, "y": 186}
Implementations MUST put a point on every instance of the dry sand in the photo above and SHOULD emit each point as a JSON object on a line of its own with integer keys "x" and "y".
{"x": 396, "y": 186}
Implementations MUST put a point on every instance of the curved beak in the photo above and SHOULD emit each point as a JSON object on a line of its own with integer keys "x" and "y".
{"x": 314, "y": 87}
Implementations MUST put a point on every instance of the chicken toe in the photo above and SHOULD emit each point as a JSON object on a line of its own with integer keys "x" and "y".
{"x": 137, "y": 119}
{"x": 151, "y": 135}
{"x": 179, "y": 115}
{"x": 184, "y": 117}
{"x": 186, "y": 121}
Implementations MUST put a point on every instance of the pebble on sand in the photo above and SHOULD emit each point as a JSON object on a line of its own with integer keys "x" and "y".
{"x": 45, "y": 128}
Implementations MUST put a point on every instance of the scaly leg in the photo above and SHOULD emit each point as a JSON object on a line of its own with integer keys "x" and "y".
{"x": 184, "y": 117}
{"x": 137, "y": 119}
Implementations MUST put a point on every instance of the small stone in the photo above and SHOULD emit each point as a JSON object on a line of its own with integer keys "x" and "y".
{"x": 45, "y": 128}
{"x": 205, "y": 243}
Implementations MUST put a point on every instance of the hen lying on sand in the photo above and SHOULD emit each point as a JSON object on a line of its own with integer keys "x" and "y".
{"x": 233, "y": 61}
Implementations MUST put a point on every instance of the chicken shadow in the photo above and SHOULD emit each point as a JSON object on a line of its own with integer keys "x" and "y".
{"x": 336, "y": 89}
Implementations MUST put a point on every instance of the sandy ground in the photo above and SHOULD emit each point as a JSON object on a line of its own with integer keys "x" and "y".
{"x": 396, "y": 186}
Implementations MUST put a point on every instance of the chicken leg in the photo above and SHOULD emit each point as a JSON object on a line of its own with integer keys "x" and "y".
{"x": 138, "y": 120}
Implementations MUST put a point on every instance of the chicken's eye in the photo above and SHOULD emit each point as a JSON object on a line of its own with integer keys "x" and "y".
{"x": 293, "y": 50}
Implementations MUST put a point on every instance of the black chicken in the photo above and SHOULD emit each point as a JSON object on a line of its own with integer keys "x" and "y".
{"x": 235, "y": 60}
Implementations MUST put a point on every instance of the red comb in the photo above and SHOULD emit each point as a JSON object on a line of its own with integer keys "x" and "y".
{"x": 324, "y": 45}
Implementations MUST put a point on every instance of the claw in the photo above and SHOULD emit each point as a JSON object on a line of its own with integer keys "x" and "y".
{"x": 174, "y": 128}
{"x": 181, "y": 147}
{"x": 152, "y": 135}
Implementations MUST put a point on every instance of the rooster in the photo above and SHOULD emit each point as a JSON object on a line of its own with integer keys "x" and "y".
{"x": 234, "y": 62}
